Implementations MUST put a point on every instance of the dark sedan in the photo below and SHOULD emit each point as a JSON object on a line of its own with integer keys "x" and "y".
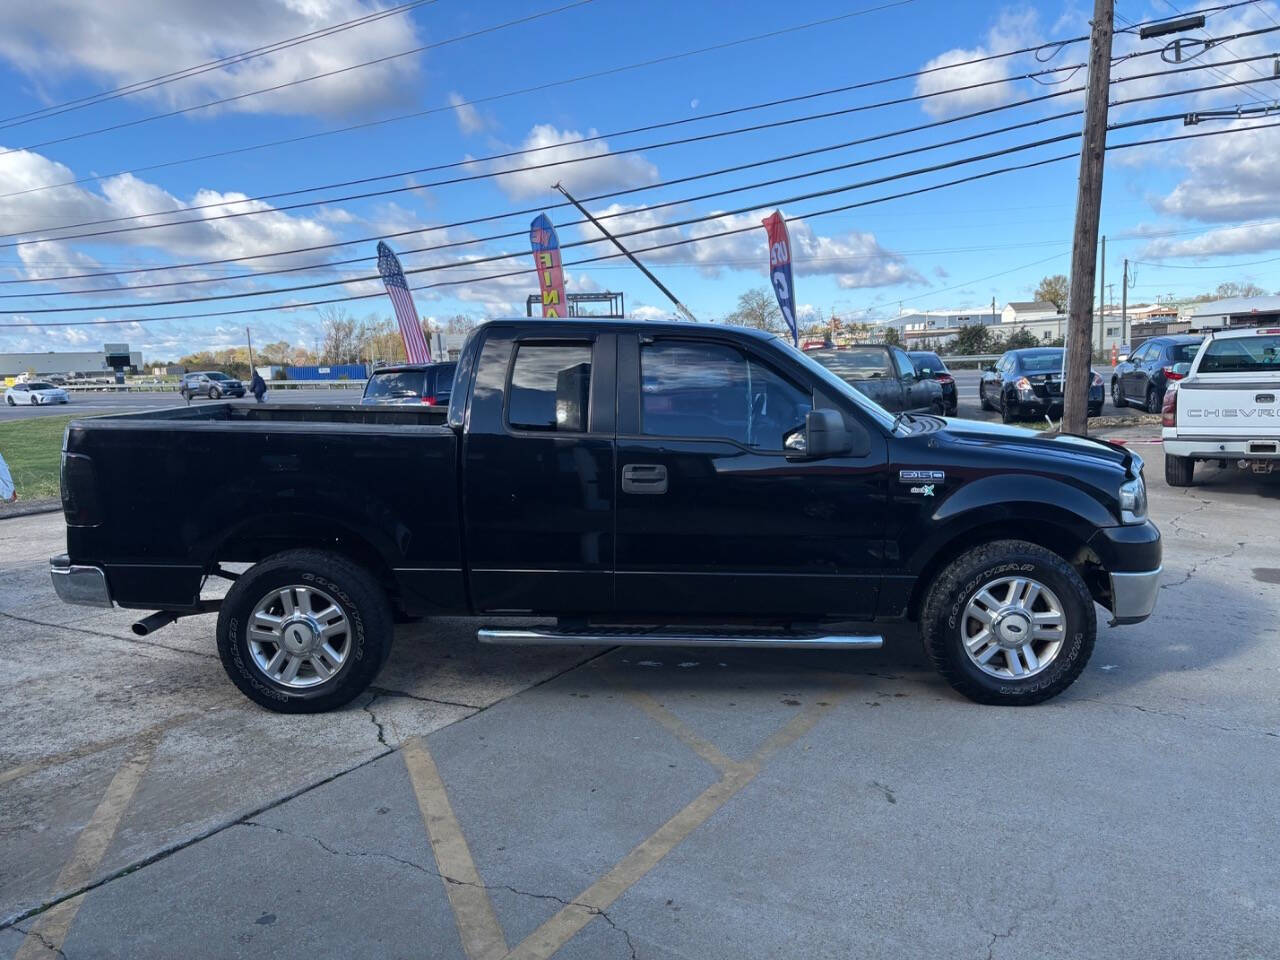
{"x": 929, "y": 366}
{"x": 1025, "y": 384}
{"x": 429, "y": 383}
{"x": 1143, "y": 378}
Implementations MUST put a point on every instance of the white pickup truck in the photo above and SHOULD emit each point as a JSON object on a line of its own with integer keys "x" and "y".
{"x": 1226, "y": 406}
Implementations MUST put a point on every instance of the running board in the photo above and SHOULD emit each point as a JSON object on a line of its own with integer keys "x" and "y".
{"x": 658, "y": 638}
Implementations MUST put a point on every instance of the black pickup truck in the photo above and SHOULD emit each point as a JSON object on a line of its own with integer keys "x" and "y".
{"x": 639, "y": 483}
{"x": 887, "y": 375}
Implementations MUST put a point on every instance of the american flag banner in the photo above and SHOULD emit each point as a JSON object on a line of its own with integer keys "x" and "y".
{"x": 415, "y": 344}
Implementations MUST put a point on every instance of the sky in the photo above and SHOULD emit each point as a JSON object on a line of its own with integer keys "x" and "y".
{"x": 565, "y": 80}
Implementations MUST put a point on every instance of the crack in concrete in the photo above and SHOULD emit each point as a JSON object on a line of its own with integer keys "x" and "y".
{"x": 377, "y": 855}
{"x": 44, "y": 941}
{"x": 1191, "y": 571}
{"x": 1176, "y": 521}
{"x": 1179, "y": 716}
{"x": 998, "y": 936}
{"x": 388, "y": 692}
{"x": 99, "y": 634}
{"x": 382, "y": 734}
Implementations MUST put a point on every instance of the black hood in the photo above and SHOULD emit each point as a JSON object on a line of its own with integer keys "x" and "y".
{"x": 1057, "y": 445}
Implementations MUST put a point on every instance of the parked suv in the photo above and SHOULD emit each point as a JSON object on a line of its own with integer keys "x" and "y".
{"x": 210, "y": 384}
{"x": 429, "y": 383}
{"x": 1144, "y": 376}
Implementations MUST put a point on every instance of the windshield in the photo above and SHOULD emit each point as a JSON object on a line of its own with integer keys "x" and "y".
{"x": 1242, "y": 355}
{"x": 396, "y": 383}
{"x": 218, "y": 376}
{"x": 1044, "y": 361}
{"x": 41, "y": 385}
{"x": 879, "y": 413}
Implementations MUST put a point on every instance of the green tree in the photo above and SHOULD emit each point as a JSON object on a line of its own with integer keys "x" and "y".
{"x": 1020, "y": 339}
{"x": 892, "y": 337}
{"x": 971, "y": 339}
{"x": 1054, "y": 290}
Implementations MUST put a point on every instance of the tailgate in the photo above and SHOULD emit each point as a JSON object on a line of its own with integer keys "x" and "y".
{"x": 1229, "y": 405}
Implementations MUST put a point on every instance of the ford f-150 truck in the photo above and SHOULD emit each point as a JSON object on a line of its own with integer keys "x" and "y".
{"x": 640, "y": 483}
{"x": 1224, "y": 406}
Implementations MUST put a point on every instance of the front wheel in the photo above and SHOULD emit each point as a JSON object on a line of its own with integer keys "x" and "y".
{"x": 214, "y": 393}
{"x": 1117, "y": 397}
{"x": 304, "y": 631}
{"x": 982, "y": 398}
{"x": 10, "y": 401}
{"x": 1009, "y": 623}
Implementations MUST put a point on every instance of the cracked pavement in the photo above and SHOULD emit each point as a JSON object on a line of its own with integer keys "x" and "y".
{"x": 906, "y": 823}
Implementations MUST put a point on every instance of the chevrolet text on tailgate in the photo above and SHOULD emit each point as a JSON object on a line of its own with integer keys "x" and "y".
{"x": 635, "y": 483}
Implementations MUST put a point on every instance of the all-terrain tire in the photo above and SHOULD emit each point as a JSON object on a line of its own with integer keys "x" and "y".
{"x": 942, "y": 621}
{"x": 351, "y": 587}
{"x": 1179, "y": 471}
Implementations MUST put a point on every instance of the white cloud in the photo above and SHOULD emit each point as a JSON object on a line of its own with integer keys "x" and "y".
{"x": 595, "y": 170}
{"x": 1012, "y": 30}
{"x": 470, "y": 120}
{"x": 126, "y": 41}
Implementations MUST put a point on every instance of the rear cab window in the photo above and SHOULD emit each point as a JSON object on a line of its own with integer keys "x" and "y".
{"x": 1259, "y": 354}
{"x": 550, "y": 388}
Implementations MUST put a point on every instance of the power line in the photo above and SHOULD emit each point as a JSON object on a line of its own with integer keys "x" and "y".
{"x": 221, "y": 63}
{"x": 684, "y": 241}
{"x": 293, "y": 83}
{"x": 556, "y": 163}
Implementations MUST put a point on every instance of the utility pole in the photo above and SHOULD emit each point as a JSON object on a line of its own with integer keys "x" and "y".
{"x": 1124, "y": 304}
{"x": 993, "y": 311}
{"x": 1088, "y": 209}
{"x": 250, "y": 336}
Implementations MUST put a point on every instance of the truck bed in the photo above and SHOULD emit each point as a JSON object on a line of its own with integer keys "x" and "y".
{"x": 159, "y": 498}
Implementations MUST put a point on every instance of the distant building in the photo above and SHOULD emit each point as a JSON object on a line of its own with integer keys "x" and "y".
{"x": 1234, "y": 312}
{"x": 113, "y": 358}
{"x": 1028, "y": 310}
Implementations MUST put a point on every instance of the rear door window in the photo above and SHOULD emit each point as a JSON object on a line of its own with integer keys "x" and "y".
{"x": 550, "y": 387}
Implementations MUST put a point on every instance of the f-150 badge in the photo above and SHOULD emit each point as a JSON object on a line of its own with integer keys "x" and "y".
{"x": 916, "y": 476}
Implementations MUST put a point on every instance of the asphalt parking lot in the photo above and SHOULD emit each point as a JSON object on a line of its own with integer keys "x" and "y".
{"x": 575, "y": 802}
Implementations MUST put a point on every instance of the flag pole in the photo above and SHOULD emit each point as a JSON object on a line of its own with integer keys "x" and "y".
{"x": 680, "y": 307}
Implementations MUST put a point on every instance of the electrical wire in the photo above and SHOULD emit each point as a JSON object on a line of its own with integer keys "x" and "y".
{"x": 546, "y": 165}
{"x": 729, "y": 232}
{"x": 124, "y": 124}
{"x": 234, "y": 59}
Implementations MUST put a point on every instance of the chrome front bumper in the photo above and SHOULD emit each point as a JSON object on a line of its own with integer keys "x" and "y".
{"x": 1133, "y": 595}
{"x": 83, "y": 585}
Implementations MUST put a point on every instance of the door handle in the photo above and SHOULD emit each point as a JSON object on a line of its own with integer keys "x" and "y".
{"x": 644, "y": 478}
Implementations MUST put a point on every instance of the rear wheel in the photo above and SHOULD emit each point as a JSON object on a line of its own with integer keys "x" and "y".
{"x": 304, "y": 631}
{"x": 1153, "y": 400}
{"x": 1009, "y": 623}
{"x": 1179, "y": 471}
{"x": 1117, "y": 396}
{"x": 1008, "y": 412}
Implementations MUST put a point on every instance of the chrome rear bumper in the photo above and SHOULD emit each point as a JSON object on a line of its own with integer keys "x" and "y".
{"x": 1133, "y": 595}
{"x": 82, "y": 585}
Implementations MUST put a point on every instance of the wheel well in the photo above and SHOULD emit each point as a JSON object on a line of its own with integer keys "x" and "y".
{"x": 1061, "y": 540}
{"x": 276, "y": 534}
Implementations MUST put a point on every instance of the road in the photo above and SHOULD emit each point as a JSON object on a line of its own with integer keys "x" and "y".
{"x": 92, "y": 403}
{"x": 657, "y": 803}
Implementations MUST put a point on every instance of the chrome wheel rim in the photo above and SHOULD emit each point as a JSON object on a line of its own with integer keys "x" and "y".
{"x": 299, "y": 636}
{"x": 1013, "y": 628}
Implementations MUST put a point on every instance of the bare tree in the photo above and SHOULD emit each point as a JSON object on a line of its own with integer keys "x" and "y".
{"x": 342, "y": 335}
{"x": 757, "y": 308}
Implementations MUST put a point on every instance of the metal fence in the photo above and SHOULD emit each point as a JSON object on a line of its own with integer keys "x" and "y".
{"x": 346, "y": 385}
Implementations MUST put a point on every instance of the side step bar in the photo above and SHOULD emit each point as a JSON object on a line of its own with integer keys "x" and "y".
{"x": 660, "y": 638}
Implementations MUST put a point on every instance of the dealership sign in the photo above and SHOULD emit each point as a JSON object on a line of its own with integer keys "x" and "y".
{"x": 780, "y": 270}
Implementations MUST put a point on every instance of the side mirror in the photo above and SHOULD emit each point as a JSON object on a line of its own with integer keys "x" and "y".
{"x": 989, "y": 368}
{"x": 824, "y": 434}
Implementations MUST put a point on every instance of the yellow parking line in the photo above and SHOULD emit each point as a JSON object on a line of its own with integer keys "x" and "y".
{"x": 50, "y": 931}
{"x": 482, "y": 937}
{"x": 707, "y": 750}
{"x": 26, "y": 769}
{"x": 597, "y": 898}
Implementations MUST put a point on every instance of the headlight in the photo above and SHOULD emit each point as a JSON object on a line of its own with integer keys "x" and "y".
{"x": 1133, "y": 501}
